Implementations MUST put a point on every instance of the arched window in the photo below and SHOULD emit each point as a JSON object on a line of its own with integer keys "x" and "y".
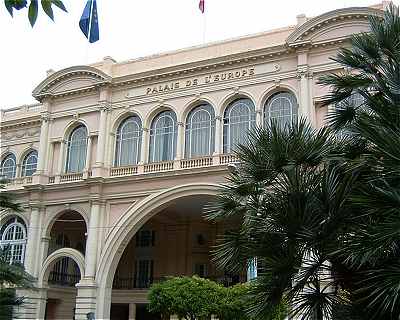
{"x": 13, "y": 237}
{"x": 282, "y": 108}
{"x": 128, "y": 142}
{"x": 29, "y": 164}
{"x": 76, "y": 150}
{"x": 239, "y": 118}
{"x": 200, "y": 132}
{"x": 163, "y": 135}
{"x": 9, "y": 166}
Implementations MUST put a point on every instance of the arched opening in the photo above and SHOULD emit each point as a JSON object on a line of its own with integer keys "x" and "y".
{"x": 174, "y": 240}
{"x": 61, "y": 288}
{"x": 67, "y": 231}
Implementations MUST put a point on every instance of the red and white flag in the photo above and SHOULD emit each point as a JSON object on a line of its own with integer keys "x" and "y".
{"x": 202, "y": 6}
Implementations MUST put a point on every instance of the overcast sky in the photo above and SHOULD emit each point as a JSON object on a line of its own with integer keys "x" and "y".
{"x": 131, "y": 29}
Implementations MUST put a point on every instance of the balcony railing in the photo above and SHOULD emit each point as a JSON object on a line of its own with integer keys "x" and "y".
{"x": 121, "y": 283}
{"x": 69, "y": 177}
{"x": 201, "y": 162}
{"x": 123, "y": 171}
{"x": 63, "y": 279}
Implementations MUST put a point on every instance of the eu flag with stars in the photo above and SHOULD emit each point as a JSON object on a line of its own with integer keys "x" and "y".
{"x": 89, "y": 22}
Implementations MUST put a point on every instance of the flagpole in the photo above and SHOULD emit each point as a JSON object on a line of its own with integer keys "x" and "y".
{"x": 90, "y": 29}
{"x": 204, "y": 28}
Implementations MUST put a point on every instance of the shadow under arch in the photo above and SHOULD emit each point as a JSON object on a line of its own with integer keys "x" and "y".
{"x": 54, "y": 257}
{"x": 135, "y": 218}
{"x": 49, "y": 223}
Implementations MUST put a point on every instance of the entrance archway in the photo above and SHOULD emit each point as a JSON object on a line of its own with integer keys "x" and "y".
{"x": 136, "y": 218}
{"x": 60, "y": 287}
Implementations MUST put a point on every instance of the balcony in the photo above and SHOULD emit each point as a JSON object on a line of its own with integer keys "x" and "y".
{"x": 131, "y": 283}
{"x": 63, "y": 279}
{"x": 139, "y": 169}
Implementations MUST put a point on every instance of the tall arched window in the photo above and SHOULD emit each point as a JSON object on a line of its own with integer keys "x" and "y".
{"x": 239, "y": 118}
{"x": 282, "y": 108}
{"x": 9, "y": 166}
{"x": 29, "y": 164}
{"x": 128, "y": 142}
{"x": 13, "y": 237}
{"x": 200, "y": 132}
{"x": 76, "y": 150}
{"x": 163, "y": 135}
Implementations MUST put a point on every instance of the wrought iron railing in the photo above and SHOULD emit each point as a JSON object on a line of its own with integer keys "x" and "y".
{"x": 63, "y": 279}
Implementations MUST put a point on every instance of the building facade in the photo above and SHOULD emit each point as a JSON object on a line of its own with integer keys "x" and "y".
{"x": 116, "y": 162}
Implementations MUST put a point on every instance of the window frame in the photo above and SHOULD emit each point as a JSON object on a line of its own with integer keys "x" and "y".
{"x": 154, "y": 135}
{"x": 294, "y": 108}
{"x": 13, "y": 243}
{"x": 119, "y": 140}
{"x": 70, "y": 146}
{"x": 32, "y": 153}
{"x": 9, "y": 157}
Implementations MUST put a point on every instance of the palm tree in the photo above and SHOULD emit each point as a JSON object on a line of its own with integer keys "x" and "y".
{"x": 290, "y": 196}
{"x": 11, "y": 276}
{"x": 372, "y": 250}
{"x": 321, "y": 211}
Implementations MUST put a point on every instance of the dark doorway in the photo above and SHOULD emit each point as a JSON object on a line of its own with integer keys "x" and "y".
{"x": 143, "y": 314}
{"x": 119, "y": 311}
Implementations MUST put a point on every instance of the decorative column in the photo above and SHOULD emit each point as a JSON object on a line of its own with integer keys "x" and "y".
{"x": 132, "y": 311}
{"x": 180, "y": 141}
{"x": 92, "y": 240}
{"x": 88, "y": 157}
{"x": 144, "y": 152}
{"x": 98, "y": 169}
{"x": 218, "y": 140}
{"x": 32, "y": 242}
{"x": 49, "y": 157}
{"x": 259, "y": 117}
{"x": 42, "y": 154}
{"x": 87, "y": 288}
{"x": 60, "y": 165}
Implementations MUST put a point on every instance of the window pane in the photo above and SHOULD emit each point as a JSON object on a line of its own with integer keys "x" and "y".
{"x": 200, "y": 132}
{"x": 163, "y": 135}
{"x": 239, "y": 118}
{"x": 129, "y": 139}
{"x": 77, "y": 144}
{"x": 281, "y": 108}
{"x": 29, "y": 164}
{"x": 8, "y": 167}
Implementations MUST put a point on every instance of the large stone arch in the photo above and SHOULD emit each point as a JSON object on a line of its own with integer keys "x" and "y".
{"x": 54, "y": 257}
{"x": 136, "y": 217}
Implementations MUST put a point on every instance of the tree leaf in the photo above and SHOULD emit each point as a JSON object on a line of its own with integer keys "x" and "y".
{"x": 33, "y": 12}
{"x": 9, "y": 6}
{"x": 59, "y": 4}
{"x": 46, "y": 5}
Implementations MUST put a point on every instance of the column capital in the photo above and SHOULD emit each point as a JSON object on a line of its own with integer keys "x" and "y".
{"x": 180, "y": 124}
{"x": 45, "y": 117}
{"x": 105, "y": 106}
{"x": 219, "y": 118}
{"x": 145, "y": 129}
{"x": 304, "y": 72}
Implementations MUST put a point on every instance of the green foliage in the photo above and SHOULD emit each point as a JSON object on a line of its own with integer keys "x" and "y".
{"x": 320, "y": 209}
{"x": 33, "y": 10}
{"x": 11, "y": 276}
{"x": 194, "y": 298}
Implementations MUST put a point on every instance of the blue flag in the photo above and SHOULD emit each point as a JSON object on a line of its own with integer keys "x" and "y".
{"x": 89, "y": 22}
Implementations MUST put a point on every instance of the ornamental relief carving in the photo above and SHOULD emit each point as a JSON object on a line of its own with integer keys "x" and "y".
{"x": 28, "y": 133}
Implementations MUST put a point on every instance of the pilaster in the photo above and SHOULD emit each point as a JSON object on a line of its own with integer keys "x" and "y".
{"x": 180, "y": 141}
{"x": 218, "y": 135}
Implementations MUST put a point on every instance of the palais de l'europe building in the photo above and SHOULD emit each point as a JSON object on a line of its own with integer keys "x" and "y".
{"x": 115, "y": 163}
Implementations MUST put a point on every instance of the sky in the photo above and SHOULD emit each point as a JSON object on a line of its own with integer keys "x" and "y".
{"x": 131, "y": 29}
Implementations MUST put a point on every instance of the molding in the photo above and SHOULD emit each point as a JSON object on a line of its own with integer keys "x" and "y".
{"x": 296, "y": 38}
{"x": 43, "y": 90}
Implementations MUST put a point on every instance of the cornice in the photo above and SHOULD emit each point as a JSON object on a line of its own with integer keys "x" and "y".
{"x": 296, "y": 38}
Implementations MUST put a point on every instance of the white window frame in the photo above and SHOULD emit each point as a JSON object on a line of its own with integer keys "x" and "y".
{"x": 189, "y": 130}
{"x": 120, "y": 139}
{"x": 10, "y": 168}
{"x": 294, "y": 109}
{"x": 70, "y": 144}
{"x": 154, "y": 135}
{"x": 29, "y": 166}
{"x": 228, "y": 148}
{"x": 14, "y": 242}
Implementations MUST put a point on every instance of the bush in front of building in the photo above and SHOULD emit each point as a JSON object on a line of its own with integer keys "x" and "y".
{"x": 194, "y": 298}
